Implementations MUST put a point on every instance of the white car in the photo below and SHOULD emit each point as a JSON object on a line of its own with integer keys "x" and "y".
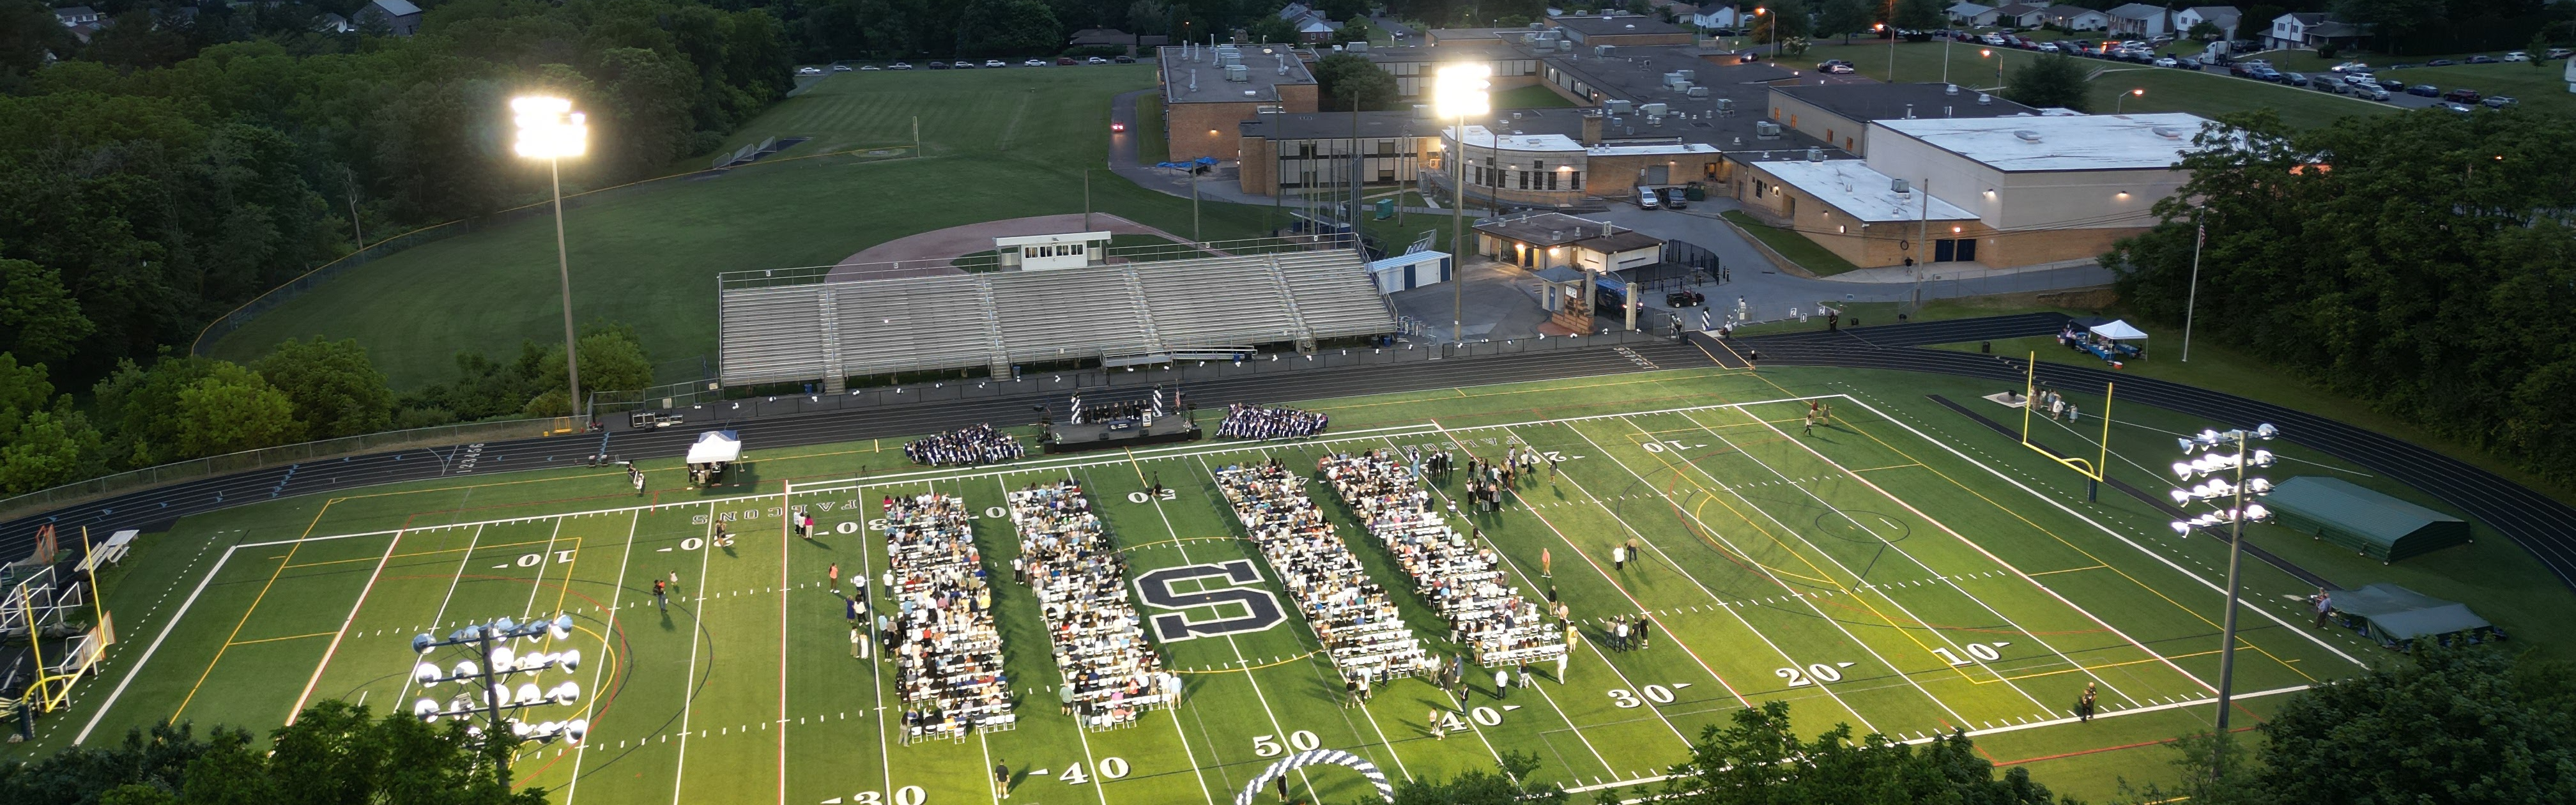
{"x": 901, "y": 66}
{"x": 2361, "y": 79}
{"x": 809, "y": 71}
{"x": 1034, "y": 63}
{"x": 995, "y": 63}
{"x": 2518, "y": 55}
{"x": 2168, "y": 61}
{"x": 843, "y": 68}
{"x": 1095, "y": 60}
{"x": 866, "y": 67}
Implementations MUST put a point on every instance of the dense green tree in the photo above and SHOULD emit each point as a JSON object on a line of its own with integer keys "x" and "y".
{"x": 1270, "y": 28}
{"x": 2411, "y": 275}
{"x": 1501, "y": 786}
{"x": 335, "y": 390}
{"x": 1347, "y": 76}
{"x": 1007, "y": 28}
{"x": 1759, "y": 760}
{"x": 2052, "y": 80}
{"x": 28, "y": 32}
{"x": 1844, "y": 18}
{"x": 612, "y": 359}
{"x": 2469, "y": 735}
{"x": 1921, "y": 15}
{"x": 159, "y": 759}
{"x": 1787, "y": 22}
{"x": 229, "y": 410}
{"x": 49, "y": 449}
{"x": 24, "y": 390}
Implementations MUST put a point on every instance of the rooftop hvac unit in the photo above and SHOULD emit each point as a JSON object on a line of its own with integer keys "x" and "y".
{"x": 1601, "y": 50}
{"x": 1899, "y": 187}
{"x": 1815, "y": 155}
{"x": 2027, "y": 135}
{"x": 1565, "y": 46}
{"x": 1672, "y": 78}
{"x": 1690, "y": 75}
{"x": 1237, "y": 72}
{"x": 1618, "y": 107}
{"x": 1909, "y": 111}
{"x": 1766, "y": 130}
{"x": 1696, "y": 92}
{"x": 1951, "y": 89}
{"x": 1725, "y": 105}
{"x": 1652, "y": 110}
{"x": 1422, "y": 111}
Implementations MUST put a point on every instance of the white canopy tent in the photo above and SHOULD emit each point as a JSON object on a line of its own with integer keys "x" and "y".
{"x": 716, "y": 447}
{"x": 2119, "y": 330}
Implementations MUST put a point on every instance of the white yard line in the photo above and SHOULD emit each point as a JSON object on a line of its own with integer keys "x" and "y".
{"x": 148, "y": 651}
{"x": 440, "y": 616}
{"x": 688, "y": 689}
{"x": 1952, "y": 583}
{"x": 343, "y": 632}
{"x": 599, "y": 667}
{"x": 2213, "y": 586}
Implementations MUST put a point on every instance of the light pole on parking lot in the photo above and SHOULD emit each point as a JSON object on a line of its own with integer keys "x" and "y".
{"x": 1989, "y": 53}
{"x": 1891, "y": 49}
{"x": 2125, "y": 96}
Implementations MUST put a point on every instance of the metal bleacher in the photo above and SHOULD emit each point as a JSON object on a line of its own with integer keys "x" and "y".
{"x": 773, "y": 331}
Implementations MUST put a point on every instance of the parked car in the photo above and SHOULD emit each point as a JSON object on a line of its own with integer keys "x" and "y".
{"x": 963, "y": 64}
{"x": 2461, "y": 108}
{"x": 1095, "y": 60}
{"x": 2482, "y": 59}
{"x": 2426, "y": 90}
{"x": 1837, "y": 66}
{"x": 1646, "y": 198}
{"x": 2266, "y": 74}
{"x": 1065, "y": 61}
{"x": 2294, "y": 79}
{"x": 1673, "y": 198}
{"x": 2370, "y": 92}
{"x": 2392, "y": 85}
{"x": 2519, "y": 55}
{"x": 809, "y": 71}
{"x": 2440, "y": 63}
{"x": 2559, "y": 53}
{"x": 1681, "y": 299}
{"x": 2403, "y": 66}
{"x": 2168, "y": 61}
{"x": 2499, "y": 101}
{"x": 841, "y": 68}
{"x": 995, "y": 63}
{"x": 2361, "y": 80}
{"x": 1126, "y": 60}
{"x": 1996, "y": 40}
{"x": 899, "y": 66}
{"x": 2462, "y": 95}
{"x": 939, "y": 65}
{"x": 1034, "y": 63}
{"x": 2350, "y": 66}
{"x": 867, "y": 67}
{"x": 2336, "y": 87}
{"x": 2050, "y": 47}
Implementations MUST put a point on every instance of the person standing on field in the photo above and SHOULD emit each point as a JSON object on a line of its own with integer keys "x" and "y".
{"x": 1001, "y": 780}
{"x": 1618, "y": 557}
{"x": 1502, "y": 682}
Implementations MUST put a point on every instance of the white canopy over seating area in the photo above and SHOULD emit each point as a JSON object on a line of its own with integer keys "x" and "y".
{"x": 2114, "y": 341}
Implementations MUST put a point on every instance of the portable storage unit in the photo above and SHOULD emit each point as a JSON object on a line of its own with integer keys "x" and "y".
{"x": 2373, "y": 524}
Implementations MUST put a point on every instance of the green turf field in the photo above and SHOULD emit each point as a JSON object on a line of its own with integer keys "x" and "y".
{"x": 1901, "y": 569}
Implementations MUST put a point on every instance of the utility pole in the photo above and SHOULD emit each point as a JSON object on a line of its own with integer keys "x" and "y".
{"x": 1359, "y": 244}
{"x": 354, "y": 229}
{"x": 2199, "y": 235}
{"x": 916, "y": 137}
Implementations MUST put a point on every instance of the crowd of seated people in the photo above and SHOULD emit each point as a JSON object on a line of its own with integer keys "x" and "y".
{"x": 980, "y": 444}
{"x": 1081, "y": 589}
{"x": 1461, "y": 578}
{"x": 1360, "y": 627}
{"x": 1248, "y": 421}
{"x": 947, "y": 655}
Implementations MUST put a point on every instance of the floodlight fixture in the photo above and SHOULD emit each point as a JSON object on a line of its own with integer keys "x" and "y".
{"x": 422, "y": 644}
{"x": 426, "y": 674}
{"x": 2181, "y": 528}
{"x": 529, "y": 694}
{"x": 2266, "y": 431}
{"x": 425, "y": 709}
{"x": 466, "y": 668}
{"x": 2253, "y": 511}
{"x": 503, "y": 659}
{"x": 548, "y": 128}
{"x": 2187, "y": 444}
{"x": 561, "y": 629}
{"x": 576, "y": 729}
{"x": 2258, "y": 486}
{"x": 570, "y": 659}
{"x": 2261, "y": 458}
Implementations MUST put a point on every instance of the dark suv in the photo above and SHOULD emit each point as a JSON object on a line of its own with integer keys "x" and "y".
{"x": 2462, "y": 95}
{"x": 2426, "y": 90}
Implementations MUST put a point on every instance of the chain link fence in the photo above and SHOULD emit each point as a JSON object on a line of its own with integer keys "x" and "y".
{"x": 463, "y": 433}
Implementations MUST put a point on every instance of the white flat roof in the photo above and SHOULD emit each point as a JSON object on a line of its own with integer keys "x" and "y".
{"x": 1849, "y": 185}
{"x": 1482, "y": 137}
{"x": 1043, "y": 240}
{"x": 2075, "y": 142}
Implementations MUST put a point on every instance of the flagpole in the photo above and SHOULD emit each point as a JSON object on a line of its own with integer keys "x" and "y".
{"x": 2200, "y": 235}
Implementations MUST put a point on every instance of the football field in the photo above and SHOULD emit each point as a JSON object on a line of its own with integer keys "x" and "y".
{"x": 1868, "y": 572}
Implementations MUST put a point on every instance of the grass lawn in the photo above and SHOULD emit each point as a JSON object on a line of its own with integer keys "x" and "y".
{"x": 1808, "y": 254}
{"x": 1531, "y": 97}
{"x": 1872, "y": 573}
{"x": 1000, "y": 143}
{"x": 2168, "y": 90}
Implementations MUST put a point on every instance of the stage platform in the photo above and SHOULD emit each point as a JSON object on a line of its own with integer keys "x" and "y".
{"x": 1118, "y": 434}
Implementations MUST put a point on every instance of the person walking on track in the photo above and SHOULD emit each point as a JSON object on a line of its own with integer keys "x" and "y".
{"x": 832, "y": 583}
{"x": 1433, "y": 721}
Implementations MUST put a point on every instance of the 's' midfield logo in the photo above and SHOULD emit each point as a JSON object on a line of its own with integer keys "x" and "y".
{"x": 1262, "y": 610}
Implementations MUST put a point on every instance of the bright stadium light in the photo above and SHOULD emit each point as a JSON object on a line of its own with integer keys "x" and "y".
{"x": 1457, "y": 92}
{"x": 550, "y": 130}
{"x": 488, "y": 696}
{"x": 2233, "y": 511}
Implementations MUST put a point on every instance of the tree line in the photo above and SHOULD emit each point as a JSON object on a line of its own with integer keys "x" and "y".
{"x": 2424, "y": 263}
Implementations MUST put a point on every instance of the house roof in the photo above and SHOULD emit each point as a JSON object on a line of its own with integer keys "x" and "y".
{"x": 74, "y": 12}
{"x": 2137, "y": 11}
{"x": 2060, "y": 143}
{"x": 1970, "y": 9}
{"x": 398, "y": 8}
{"x": 1867, "y": 102}
{"x": 2332, "y": 29}
{"x": 1850, "y": 186}
{"x": 2303, "y": 17}
{"x": 2213, "y": 13}
{"x": 1293, "y": 11}
{"x": 1317, "y": 25}
{"x": 2018, "y": 10}
{"x": 2066, "y": 11}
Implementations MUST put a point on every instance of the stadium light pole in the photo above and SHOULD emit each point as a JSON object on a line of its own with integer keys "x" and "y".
{"x": 2211, "y": 464}
{"x": 550, "y": 130}
{"x": 486, "y": 694}
{"x": 1459, "y": 91}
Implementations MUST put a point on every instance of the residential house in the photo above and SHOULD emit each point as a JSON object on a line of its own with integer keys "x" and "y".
{"x": 2020, "y": 15}
{"x": 76, "y": 16}
{"x": 1972, "y": 15}
{"x": 2311, "y": 30}
{"x": 2077, "y": 18}
{"x": 399, "y": 16}
{"x": 2140, "y": 19}
{"x": 2221, "y": 17}
{"x": 1723, "y": 17}
{"x": 1312, "y": 27}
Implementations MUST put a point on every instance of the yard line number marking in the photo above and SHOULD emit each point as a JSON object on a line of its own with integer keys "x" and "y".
{"x": 1654, "y": 693}
{"x": 1981, "y": 651}
{"x": 1817, "y": 674}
